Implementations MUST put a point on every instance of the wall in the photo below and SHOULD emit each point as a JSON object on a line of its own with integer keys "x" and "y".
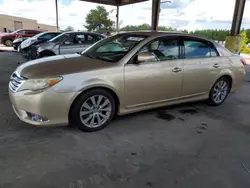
{"x": 7, "y": 21}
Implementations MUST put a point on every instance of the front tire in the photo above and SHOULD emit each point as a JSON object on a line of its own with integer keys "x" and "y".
{"x": 219, "y": 91}
{"x": 93, "y": 110}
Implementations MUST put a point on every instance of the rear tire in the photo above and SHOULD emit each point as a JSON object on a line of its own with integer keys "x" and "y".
{"x": 8, "y": 42}
{"x": 219, "y": 91}
{"x": 93, "y": 110}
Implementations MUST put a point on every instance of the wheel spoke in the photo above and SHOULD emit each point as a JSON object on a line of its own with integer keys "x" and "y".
{"x": 220, "y": 84}
{"x": 217, "y": 97}
{"x": 104, "y": 116}
{"x": 99, "y": 100}
{"x": 83, "y": 113}
{"x": 108, "y": 109}
{"x": 105, "y": 103}
{"x": 85, "y": 121}
{"x": 92, "y": 121}
{"x": 93, "y": 100}
{"x": 216, "y": 93}
{"x": 224, "y": 85}
{"x": 98, "y": 119}
{"x": 220, "y": 98}
{"x": 85, "y": 105}
{"x": 216, "y": 89}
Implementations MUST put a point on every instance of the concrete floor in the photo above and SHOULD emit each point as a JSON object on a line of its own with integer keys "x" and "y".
{"x": 186, "y": 146}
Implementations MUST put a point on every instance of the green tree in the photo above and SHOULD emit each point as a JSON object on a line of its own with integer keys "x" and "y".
{"x": 97, "y": 19}
{"x": 244, "y": 41}
{"x": 69, "y": 28}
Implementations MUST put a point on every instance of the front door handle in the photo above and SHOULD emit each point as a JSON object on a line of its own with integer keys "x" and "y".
{"x": 216, "y": 65}
{"x": 176, "y": 69}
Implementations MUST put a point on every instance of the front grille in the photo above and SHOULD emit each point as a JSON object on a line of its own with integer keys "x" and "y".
{"x": 15, "y": 82}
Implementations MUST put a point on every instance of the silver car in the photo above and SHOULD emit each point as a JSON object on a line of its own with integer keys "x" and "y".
{"x": 67, "y": 43}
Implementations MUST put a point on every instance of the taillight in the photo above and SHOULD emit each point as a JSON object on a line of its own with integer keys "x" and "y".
{"x": 243, "y": 61}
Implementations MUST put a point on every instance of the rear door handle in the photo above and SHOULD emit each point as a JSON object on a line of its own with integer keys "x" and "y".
{"x": 216, "y": 65}
{"x": 176, "y": 69}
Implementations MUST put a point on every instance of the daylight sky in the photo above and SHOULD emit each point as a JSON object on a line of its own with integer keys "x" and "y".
{"x": 180, "y": 14}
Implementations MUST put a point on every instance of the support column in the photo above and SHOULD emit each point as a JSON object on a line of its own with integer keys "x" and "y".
{"x": 117, "y": 19}
{"x": 233, "y": 42}
{"x": 155, "y": 14}
{"x": 57, "y": 27}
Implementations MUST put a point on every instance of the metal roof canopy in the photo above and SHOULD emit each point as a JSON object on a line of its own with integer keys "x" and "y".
{"x": 115, "y": 2}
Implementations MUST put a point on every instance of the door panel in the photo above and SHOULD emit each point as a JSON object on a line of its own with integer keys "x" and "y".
{"x": 152, "y": 82}
{"x": 74, "y": 44}
{"x": 197, "y": 75}
{"x": 200, "y": 69}
{"x": 70, "y": 48}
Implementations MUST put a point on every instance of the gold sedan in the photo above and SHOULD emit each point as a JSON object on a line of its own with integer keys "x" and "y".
{"x": 122, "y": 74}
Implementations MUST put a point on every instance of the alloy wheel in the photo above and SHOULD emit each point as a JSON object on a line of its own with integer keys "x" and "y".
{"x": 220, "y": 91}
{"x": 95, "y": 111}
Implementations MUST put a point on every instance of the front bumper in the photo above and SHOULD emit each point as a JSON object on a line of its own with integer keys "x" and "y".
{"x": 47, "y": 103}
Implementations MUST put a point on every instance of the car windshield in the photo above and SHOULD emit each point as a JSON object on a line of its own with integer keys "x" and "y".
{"x": 60, "y": 37}
{"x": 114, "y": 48}
{"x": 39, "y": 35}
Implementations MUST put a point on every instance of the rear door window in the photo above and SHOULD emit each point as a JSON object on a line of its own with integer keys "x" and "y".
{"x": 30, "y": 32}
{"x": 196, "y": 49}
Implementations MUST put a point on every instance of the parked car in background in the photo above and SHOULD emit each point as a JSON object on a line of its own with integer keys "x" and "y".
{"x": 28, "y": 46}
{"x": 67, "y": 43}
{"x": 8, "y": 38}
{"x": 18, "y": 41}
{"x": 123, "y": 74}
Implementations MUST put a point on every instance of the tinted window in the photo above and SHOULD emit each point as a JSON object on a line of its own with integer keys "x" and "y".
{"x": 91, "y": 39}
{"x": 196, "y": 49}
{"x": 80, "y": 39}
{"x": 49, "y": 36}
{"x": 60, "y": 38}
{"x": 30, "y": 32}
{"x": 163, "y": 49}
{"x": 21, "y": 32}
{"x": 75, "y": 39}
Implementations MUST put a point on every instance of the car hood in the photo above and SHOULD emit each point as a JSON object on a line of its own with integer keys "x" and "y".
{"x": 60, "y": 65}
{"x": 46, "y": 46}
{"x": 28, "y": 42}
{"x": 19, "y": 40}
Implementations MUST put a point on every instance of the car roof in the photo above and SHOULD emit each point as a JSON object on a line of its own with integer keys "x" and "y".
{"x": 51, "y": 32}
{"x": 83, "y": 32}
{"x": 30, "y": 30}
{"x": 165, "y": 33}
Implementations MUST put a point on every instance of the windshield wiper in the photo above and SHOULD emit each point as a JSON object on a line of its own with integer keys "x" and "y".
{"x": 89, "y": 56}
{"x": 104, "y": 59}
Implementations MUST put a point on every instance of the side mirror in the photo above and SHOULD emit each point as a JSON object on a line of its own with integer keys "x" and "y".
{"x": 146, "y": 56}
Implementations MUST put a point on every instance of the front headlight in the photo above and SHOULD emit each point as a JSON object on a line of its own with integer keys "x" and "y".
{"x": 38, "y": 84}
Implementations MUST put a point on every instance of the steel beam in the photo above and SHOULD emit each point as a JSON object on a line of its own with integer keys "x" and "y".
{"x": 237, "y": 17}
{"x": 155, "y": 14}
